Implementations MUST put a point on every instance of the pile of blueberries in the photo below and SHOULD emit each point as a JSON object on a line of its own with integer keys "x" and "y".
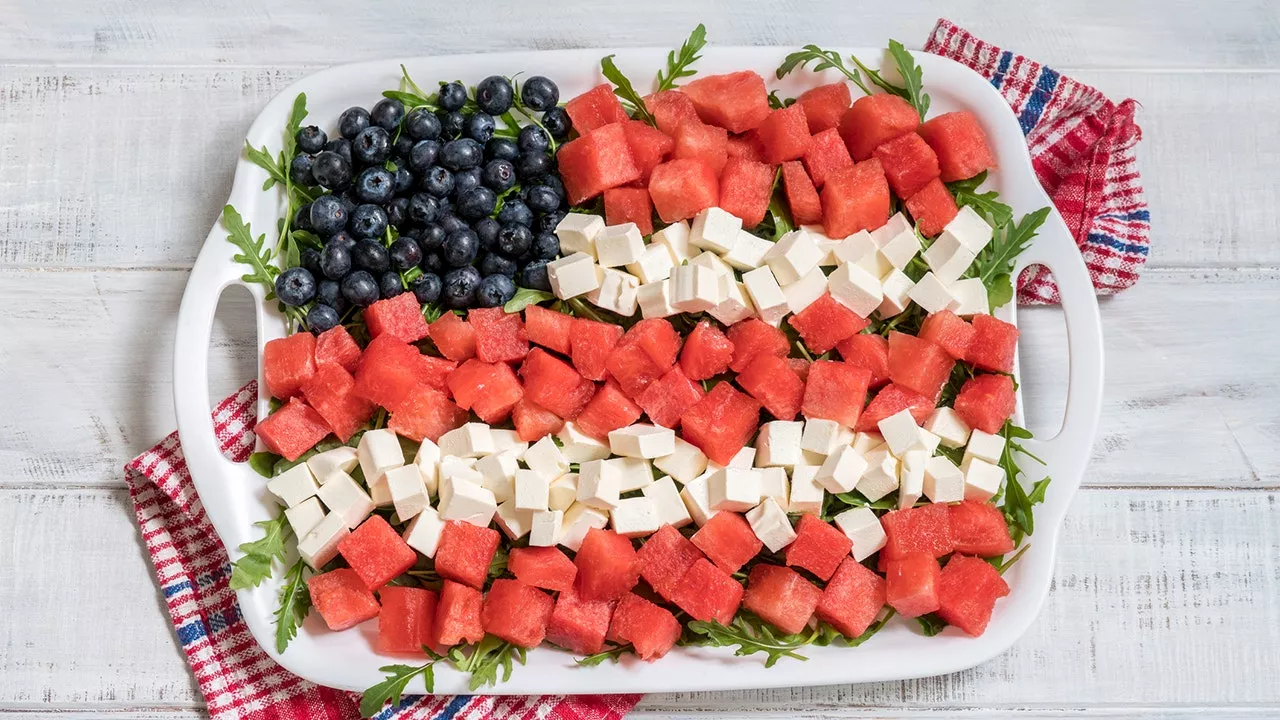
{"x": 474, "y": 212}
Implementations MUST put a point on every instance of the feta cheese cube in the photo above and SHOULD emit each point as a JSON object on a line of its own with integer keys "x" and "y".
{"x": 642, "y": 440}
{"x": 544, "y": 529}
{"x": 805, "y": 291}
{"x": 929, "y": 441}
{"x": 748, "y": 251}
{"x": 771, "y": 526}
{"x": 320, "y": 545}
{"x": 472, "y": 440}
{"x": 778, "y": 443}
{"x": 855, "y": 247}
{"x": 970, "y": 298}
{"x": 896, "y": 225}
{"x": 865, "y": 442}
{"x": 900, "y": 432}
{"x": 304, "y": 516}
{"x": 577, "y": 233}
{"x": 714, "y": 229}
{"x": 696, "y": 495}
{"x": 911, "y": 478}
{"x": 633, "y": 473}
{"x": 774, "y": 484}
{"x": 793, "y": 256}
{"x": 619, "y": 245}
{"x": 948, "y": 259}
{"x": 969, "y": 229}
{"x": 544, "y": 458}
{"x": 578, "y": 446}
{"x": 841, "y": 470}
{"x": 895, "y": 289}
{"x": 578, "y": 519}
{"x": 881, "y": 477}
{"x": 563, "y": 492}
{"x": 654, "y": 264}
{"x": 766, "y": 295}
{"x": 408, "y": 491}
{"x": 984, "y": 446}
{"x": 423, "y": 533}
{"x": 340, "y": 458}
{"x": 428, "y": 461}
{"x": 811, "y": 458}
{"x": 931, "y": 293}
{"x": 862, "y": 527}
{"x": 823, "y": 436}
{"x": 655, "y": 299}
{"x": 856, "y": 289}
{"x": 982, "y": 480}
{"x": 943, "y": 481}
{"x": 697, "y": 288}
{"x": 901, "y": 248}
{"x": 825, "y": 244}
{"x": 499, "y": 473}
{"x": 574, "y": 275}
{"x": 713, "y": 262}
{"x": 875, "y": 264}
{"x": 736, "y": 305}
{"x": 676, "y": 239}
{"x": 469, "y": 502}
{"x": 951, "y": 429}
{"x": 618, "y": 292}
{"x": 635, "y": 517}
{"x": 514, "y": 522}
{"x": 744, "y": 458}
{"x": 806, "y": 494}
{"x": 456, "y": 468}
{"x": 345, "y": 498}
{"x": 666, "y": 502}
{"x": 378, "y": 452}
{"x": 504, "y": 440}
{"x": 599, "y": 484}
{"x": 532, "y": 491}
{"x": 293, "y": 485}
{"x": 685, "y": 462}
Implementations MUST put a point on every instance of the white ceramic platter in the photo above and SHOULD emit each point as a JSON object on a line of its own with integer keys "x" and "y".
{"x": 235, "y": 497}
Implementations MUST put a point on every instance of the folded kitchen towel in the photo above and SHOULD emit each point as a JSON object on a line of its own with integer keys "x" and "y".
{"x": 1083, "y": 147}
{"x": 237, "y": 678}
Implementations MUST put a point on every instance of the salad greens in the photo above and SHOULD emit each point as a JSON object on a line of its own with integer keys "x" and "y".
{"x": 260, "y": 555}
{"x": 295, "y": 603}
{"x": 912, "y": 75}
{"x": 397, "y": 681}
{"x": 678, "y": 66}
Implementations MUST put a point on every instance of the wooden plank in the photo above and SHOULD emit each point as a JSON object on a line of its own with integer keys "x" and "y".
{"x": 1160, "y": 600}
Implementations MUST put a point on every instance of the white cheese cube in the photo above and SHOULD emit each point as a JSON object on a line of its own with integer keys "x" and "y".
{"x": 472, "y": 440}
{"x": 793, "y": 256}
{"x": 969, "y": 229}
{"x": 714, "y": 229}
{"x": 951, "y": 429}
{"x": 544, "y": 458}
{"x": 304, "y": 516}
{"x": 618, "y": 292}
{"x": 805, "y": 291}
{"x": 696, "y": 495}
{"x": 619, "y": 245}
{"x": 855, "y": 247}
{"x": 423, "y": 533}
{"x": 929, "y": 441}
{"x": 599, "y": 484}
{"x": 293, "y": 485}
{"x": 345, "y": 498}
{"x": 642, "y": 441}
{"x": 654, "y": 264}
{"x": 685, "y": 462}
{"x": 856, "y": 289}
{"x": 428, "y": 461}
{"x": 578, "y": 519}
{"x": 823, "y": 436}
{"x": 901, "y": 248}
{"x": 469, "y": 502}
{"x": 574, "y": 275}
{"x": 577, "y": 233}
{"x": 875, "y": 264}
{"x": 881, "y": 476}
{"x": 532, "y": 491}
{"x": 896, "y": 225}
{"x": 635, "y": 517}
{"x": 812, "y": 458}
{"x": 633, "y": 473}
{"x": 766, "y": 295}
{"x": 712, "y": 262}
{"x": 456, "y": 468}
{"x": 666, "y": 502}
{"x": 504, "y": 440}
{"x": 744, "y": 458}
{"x": 896, "y": 290}
{"x": 578, "y": 446}
{"x": 380, "y": 493}
{"x": 514, "y": 522}
{"x": 900, "y": 432}
{"x": 862, "y": 527}
{"x": 911, "y": 478}
{"x": 841, "y": 471}
{"x": 931, "y": 293}
{"x": 771, "y": 526}
{"x": 321, "y": 544}
{"x": 970, "y": 298}
{"x": 499, "y": 473}
{"x": 778, "y": 444}
{"x": 655, "y": 299}
{"x": 697, "y": 288}
{"x": 865, "y": 442}
{"x": 408, "y": 491}
{"x": 984, "y": 446}
{"x": 544, "y": 529}
{"x": 748, "y": 251}
{"x": 563, "y": 491}
{"x": 378, "y": 452}
{"x": 943, "y": 481}
{"x": 806, "y": 494}
{"x": 340, "y": 458}
{"x": 736, "y": 305}
{"x": 982, "y": 480}
{"x": 774, "y": 484}
{"x": 827, "y": 245}
{"x": 948, "y": 259}
{"x": 676, "y": 239}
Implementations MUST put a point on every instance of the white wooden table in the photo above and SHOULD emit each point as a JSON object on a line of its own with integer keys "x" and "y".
{"x": 119, "y": 125}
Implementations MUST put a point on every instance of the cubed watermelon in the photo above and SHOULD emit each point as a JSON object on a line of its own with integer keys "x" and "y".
{"x": 698, "y": 141}
{"x": 736, "y": 101}
{"x": 985, "y": 401}
{"x": 388, "y": 371}
{"x": 819, "y": 547}
{"x": 590, "y": 343}
{"x": 454, "y": 337}
{"x": 608, "y": 410}
{"x": 399, "y": 316}
{"x": 670, "y": 108}
{"x": 707, "y": 592}
{"x": 911, "y": 584}
{"x": 666, "y": 399}
{"x": 651, "y": 629}
{"x": 548, "y": 328}
{"x": 595, "y": 108}
{"x": 825, "y": 322}
{"x": 629, "y": 205}
{"x": 781, "y": 597}
{"x": 979, "y": 528}
{"x": 891, "y": 400}
{"x": 552, "y": 384}
{"x": 825, "y": 157}
{"x": 533, "y": 421}
{"x": 770, "y": 379}
{"x": 855, "y": 198}
{"x": 426, "y": 413}
{"x": 331, "y": 391}
{"x": 949, "y": 332}
{"x": 658, "y": 338}
{"x": 433, "y": 371}
{"x": 925, "y": 529}
{"x": 491, "y": 390}
{"x": 292, "y": 430}
{"x": 683, "y": 188}
{"x": 707, "y": 352}
{"x": 727, "y": 540}
{"x": 870, "y": 351}
{"x": 746, "y": 146}
{"x": 376, "y": 552}
{"x": 960, "y": 144}
{"x": 876, "y": 119}
{"x": 967, "y": 592}
{"x": 465, "y": 551}
{"x": 721, "y": 423}
{"x": 287, "y": 363}
{"x": 595, "y": 162}
{"x": 516, "y": 612}
{"x": 406, "y": 621}
{"x": 932, "y": 207}
{"x": 607, "y": 566}
{"x": 918, "y": 365}
{"x": 824, "y": 105}
{"x": 994, "y": 343}
{"x": 752, "y": 337}
{"x": 458, "y": 616}
{"x": 633, "y": 368}
{"x": 800, "y": 367}
{"x": 342, "y": 598}
{"x": 835, "y": 391}
{"x": 664, "y": 558}
{"x": 852, "y": 599}
{"x": 745, "y": 189}
{"x": 802, "y": 196}
{"x": 544, "y": 567}
{"x": 336, "y": 345}
{"x": 649, "y": 147}
{"x": 784, "y": 134}
{"x": 500, "y": 335}
{"x": 579, "y": 625}
{"x": 909, "y": 164}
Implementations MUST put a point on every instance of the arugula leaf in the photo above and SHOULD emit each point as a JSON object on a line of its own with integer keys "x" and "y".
{"x": 392, "y": 688}
{"x": 988, "y": 204}
{"x": 498, "y": 564}
{"x": 263, "y": 463}
{"x": 912, "y": 75}
{"x": 525, "y": 297}
{"x": 678, "y": 66}
{"x": 296, "y": 115}
{"x": 1018, "y": 505}
{"x": 487, "y": 658}
{"x": 994, "y": 265}
{"x": 263, "y": 159}
{"x": 777, "y": 103}
{"x": 410, "y": 94}
{"x": 623, "y": 89}
{"x": 749, "y": 635}
{"x": 259, "y": 555}
{"x": 1001, "y": 565}
{"x": 872, "y": 629}
{"x": 254, "y": 252}
{"x": 931, "y": 624}
{"x": 613, "y": 654}
{"x": 824, "y": 60}
{"x": 295, "y": 603}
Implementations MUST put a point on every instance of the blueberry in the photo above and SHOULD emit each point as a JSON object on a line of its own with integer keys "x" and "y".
{"x": 390, "y": 284}
{"x": 343, "y": 238}
{"x": 554, "y": 182}
{"x": 405, "y": 253}
{"x": 494, "y": 291}
{"x": 353, "y": 121}
{"x": 446, "y": 207}
{"x": 461, "y": 154}
{"x": 431, "y": 238}
{"x": 452, "y": 96}
{"x": 480, "y": 127}
{"x": 532, "y": 139}
{"x": 546, "y": 246}
{"x": 348, "y": 199}
{"x": 450, "y": 223}
{"x": 342, "y": 146}
{"x": 514, "y": 240}
{"x": 368, "y": 221}
{"x": 321, "y": 318}
{"x": 423, "y": 208}
{"x": 401, "y": 149}
{"x": 494, "y": 95}
{"x": 460, "y": 286}
{"x": 328, "y": 215}
{"x": 302, "y": 218}
{"x": 422, "y": 124}
{"x": 405, "y": 181}
{"x": 310, "y": 259}
{"x": 436, "y": 180}
{"x": 296, "y": 286}
{"x": 539, "y": 93}
{"x": 335, "y": 260}
{"x": 493, "y": 263}
{"x": 375, "y": 185}
{"x": 460, "y": 248}
{"x": 534, "y": 276}
{"x": 387, "y": 114}
{"x": 360, "y": 289}
{"x": 515, "y": 211}
{"x": 426, "y": 288}
{"x": 423, "y": 156}
{"x": 372, "y": 146}
{"x": 557, "y": 122}
{"x": 477, "y": 203}
{"x": 542, "y": 199}
{"x": 498, "y": 175}
{"x": 451, "y": 124}
{"x": 487, "y": 231}
{"x": 300, "y": 170}
{"x": 501, "y": 148}
{"x": 398, "y": 214}
{"x": 329, "y": 292}
{"x": 432, "y": 263}
{"x": 464, "y": 181}
{"x": 331, "y": 170}
{"x": 310, "y": 139}
{"x": 370, "y": 255}
{"x": 547, "y": 222}
{"x": 533, "y": 165}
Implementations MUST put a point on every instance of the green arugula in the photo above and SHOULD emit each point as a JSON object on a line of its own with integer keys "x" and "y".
{"x": 410, "y": 94}
{"x": 1002, "y": 565}
{"x": 823, "y": 60}
{"x": 625, "y": 91}
{"x": 392, "y": 688}
{"x": 486, "y": 660}
{"x": 931, "y": 624}
{"x": 777, "y": 103}
{"x": 1018, "y": 505}
{"x": 264, "y": 462}
{"x": 678, "y": 65}
{"x": 253, "y": 252}
{"x": 525, "y": 297}
{"x": 613, "y": 654}
{"x": 912, "y": 75}
{"x": 259, "y": 555}
{"x": 994, "y": 265}
{"x": 295, "y": 603}
{"x": 987, "y": 203}
{"x": 749, "y": 635}
{"x": 498, "y": 564}
{"x": 872, "y": 629}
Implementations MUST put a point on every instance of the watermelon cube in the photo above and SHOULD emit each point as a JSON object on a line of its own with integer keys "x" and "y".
{"x": 491, "y": 390}
{"x": 855, "y": 198}
{"x": 548, "y": 328}
{"x": 706, "y": 353}
{"x": 784, "y": 134}
{"x": 909, "y": 164}
{"x": 543, "y": 567}
{"x": 552, "y": 384}
{"x": 595, "y": 162}
{"x": 870, "y": 351}
{"x": 649, "y": 147}
{"x": 736, "y": 101}
{"x": 670, "y": 108}
{"x": 745, "y": 189}
{"x": 432, "y": 371}
{"x": 533, "y": 421}
{"x": 658, "y": 338}
{"x": 771, "y": 380}
{"x": 458, "y": 616}
{"x": 911, "y": 584}
{"x": 721, "y": 423}
{"x": 874, "y": 120}
{"x": 979, "y": 528}
{"x": 287, "y": 363}
{"x": 918, "y": 365}
{"x": 664, "y": 558}
{"x": 781, "y": 597}
{"x": 406, "y": 621}
{"x": 967, "y": 592}
{"x": 633, "y": 368}
{"x": 682, "y": 188}
{"x": 835, "y": 391}
{"x": 500, "y": 335}
{"x": 753, "y": 337}
{"x": 707, "y": 592}
{"x": 932, "y": 207}
{"x": 652, "y": 630}
{"x": 516, "y": 612}
{"x": 800, "y": 367}
{"x": 292, "y": 430}
{"x": 728, "y": 541}
{"x": 949, "y": 332}
{"x": 826, "y": 156}
{"x": 629, "y": 205}
{"x": 925, "y": 529}
{"x": 819, "y": 547}
{"x": 802, "y": 196}
{"x": 994, "y": 343}
{"x": 825, "y": 323}
{"x": 579, "y": 625}
{"x": 608, "y": 410}
{"x": 454, "y": 337}
{"x": 891, "y": 400}
{"x": 852, "y": 599}
{"x": 331, "y": 391}
{"x": 376, "y": 552}
{"x": 698, "y": 141}
{"x": 336, "y": 345}
{"x": 960, "y": 144}
{"x": 666, "y": 399}
{"x": 342, "y": 598}
{"x": 986, "y": 401}
{"x": 607, "y": 566}
{"x": 590, "y": 343}
{"x": 388, "y": 371}
{"x": 399, "y": 316}
{"x": 824, "y": 105}
{"x": 426, "y": 413}
{"x": 746, "y": 146}
{"x": 595, "y": 108}
{"x": 465, "y": 551}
